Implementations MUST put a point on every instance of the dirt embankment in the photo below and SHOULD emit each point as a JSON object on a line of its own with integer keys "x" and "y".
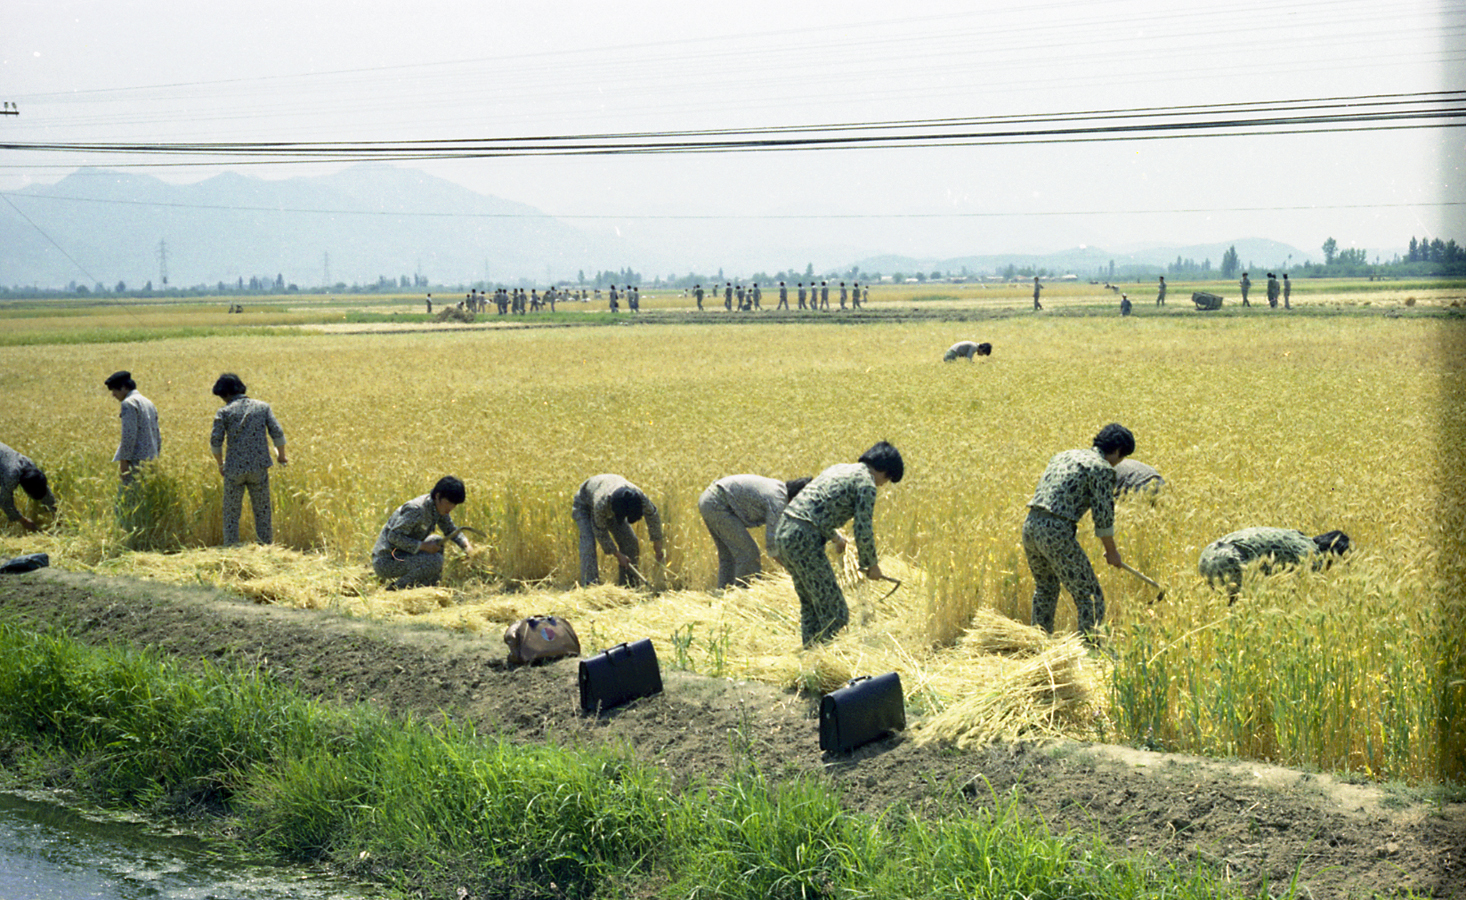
{"x": 1251, "y": 821}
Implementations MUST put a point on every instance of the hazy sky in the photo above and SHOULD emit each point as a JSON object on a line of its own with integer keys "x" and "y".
{"x": 317, "y": 70}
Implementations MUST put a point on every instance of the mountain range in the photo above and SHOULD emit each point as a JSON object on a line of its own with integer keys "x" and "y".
{"x": 373, "y": 221}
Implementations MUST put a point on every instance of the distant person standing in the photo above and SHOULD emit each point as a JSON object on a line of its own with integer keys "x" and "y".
{"x": 855, "y": 296}
{"x": 1287, "y": 292}
{"x": 783, "y": 296}
{"x": 430, "y": 304}
{"x": 1246, "y": 284}
{"x": 1037, "y": 289}
{"x": 1160, "y": 297}
{"x": 697, "y": 293}
{"x": 824, "y": 295}
{"x": 615, "y": 298}
{"x": 248, "y": 426}
{"x": 1124, "y": 305}
{"x": 728, "y": 296}
{"x": 844, "y": 295}
{"x": 801, "y": 295}
{"x": 1273, "y": 290}
{"x": 141, "y": 440}
{"x": 758, "y": 296}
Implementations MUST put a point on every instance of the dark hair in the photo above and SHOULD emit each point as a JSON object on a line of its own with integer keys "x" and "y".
{"x": 984, "y": 349}
{"x": 884, "y": 458}
{"x": 1332, "y": 542}
{"x": 228, "y": 385}
{"x": 626, "y": 503}
{"x": 33, "y": 481}
{"x": 792, "y": 488}
{"x": 1115, "y": 436}
{"x": 450, "y": 489}
{"x": 121, "y": 379}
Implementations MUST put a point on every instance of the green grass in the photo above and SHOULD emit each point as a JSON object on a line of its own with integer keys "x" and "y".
{"x": 428, "y": 807}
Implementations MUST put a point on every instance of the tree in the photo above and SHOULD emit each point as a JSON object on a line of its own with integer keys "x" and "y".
{"x": 1229, "y": 262}
{"x": 1330, "y": 247}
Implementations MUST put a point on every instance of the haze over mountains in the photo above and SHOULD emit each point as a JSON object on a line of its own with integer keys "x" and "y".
{"x": 373, "y": 221}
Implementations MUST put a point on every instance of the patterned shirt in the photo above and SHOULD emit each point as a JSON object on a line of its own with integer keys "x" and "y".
{"x": 246, "y": 423}
{"x": 1075, "y": 482}
{"x": 11, "y": 462}
{"x": 140, "y": 436}
{"x": 837, "y": 495}
{"x": 1275, "y": 546}
{"x": 754, "y": 500}
{"x": 411, "y": 524}
{"x": 595, "y": 494}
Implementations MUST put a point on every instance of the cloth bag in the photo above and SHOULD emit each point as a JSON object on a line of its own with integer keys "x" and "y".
{"x": 540, "y": 637}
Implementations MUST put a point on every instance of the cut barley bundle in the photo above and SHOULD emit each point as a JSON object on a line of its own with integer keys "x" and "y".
{"x": 1030, "y": 698}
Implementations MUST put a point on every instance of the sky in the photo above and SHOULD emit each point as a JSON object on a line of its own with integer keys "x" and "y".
{"x": 330, "y": 70}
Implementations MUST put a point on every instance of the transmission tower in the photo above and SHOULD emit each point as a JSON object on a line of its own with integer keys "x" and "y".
{"x": 163, "y": 261}
{"x": 326, "y": 265}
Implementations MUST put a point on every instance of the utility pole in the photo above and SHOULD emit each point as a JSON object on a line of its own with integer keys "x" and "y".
{"x": 163, "y": 261}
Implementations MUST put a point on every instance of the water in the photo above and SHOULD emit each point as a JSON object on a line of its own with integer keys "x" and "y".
{"x": 48, "y": 852}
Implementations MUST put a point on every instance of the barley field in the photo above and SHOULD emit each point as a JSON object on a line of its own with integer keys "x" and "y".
{"x": 1349, "y": 420}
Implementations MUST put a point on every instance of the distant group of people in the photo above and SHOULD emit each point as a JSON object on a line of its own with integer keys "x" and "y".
{"x": 815, "y": 297}
{"x": 1275, "y": 289}
{"x": 514, "y": 301}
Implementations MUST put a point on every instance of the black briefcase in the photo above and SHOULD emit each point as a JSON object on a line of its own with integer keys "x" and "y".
{"x": 619, "y": 675}
{"x": 865, "y": 709}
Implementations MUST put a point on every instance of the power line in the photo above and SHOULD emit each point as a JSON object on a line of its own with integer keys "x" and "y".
{"x": 1433, "y": 109}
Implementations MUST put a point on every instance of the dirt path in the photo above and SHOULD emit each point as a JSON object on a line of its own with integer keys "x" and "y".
{"x": 1251, "y": 821}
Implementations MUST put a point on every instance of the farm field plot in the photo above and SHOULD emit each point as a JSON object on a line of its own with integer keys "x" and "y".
{"x": 1300, "y": 422}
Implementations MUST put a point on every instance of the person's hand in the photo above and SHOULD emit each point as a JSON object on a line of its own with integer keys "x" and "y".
{"x": 27, "y": 524}
{"x": 874, "y": 572}
{"x": 1112, "y": 556}
{"x": 661, "y": 551}
{"x": 840, "y": 542}
{"x": 623, "y": 559}
{"x": 280, "y": 455}
{"x": 432, "y": 544}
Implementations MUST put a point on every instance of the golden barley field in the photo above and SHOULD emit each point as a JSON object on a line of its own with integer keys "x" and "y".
{"x": 1315, "y": 423}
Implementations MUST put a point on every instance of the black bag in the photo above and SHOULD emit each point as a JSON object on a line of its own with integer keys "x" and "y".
{"x": 865, "y": 709}
{"x": 27, "y": 563}
{"x": 619, "y": 675}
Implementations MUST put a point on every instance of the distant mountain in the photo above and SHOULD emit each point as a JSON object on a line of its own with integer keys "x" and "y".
{"x": 375, "y": 220}
{"x": 364, "y": 222}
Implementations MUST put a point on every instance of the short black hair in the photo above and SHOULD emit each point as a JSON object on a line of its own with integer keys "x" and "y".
{"x": 1115, "y": 436}
{"x": 627, "y": 502}
{"x": 984, "y": 349}
{"x": 792, "y": 488}
{"x": 33, "y": 481}
{"x": 1336, "y": 542}
{"x": 884, "y": 458}
{"x": 228, "y": 385}
{"x": 450, "y": 489}
{"x": 120, "y": 380}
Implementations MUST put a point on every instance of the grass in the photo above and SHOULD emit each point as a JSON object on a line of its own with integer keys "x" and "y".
{"x": 433, "y": 807}
{"x": 1253, "y": 419}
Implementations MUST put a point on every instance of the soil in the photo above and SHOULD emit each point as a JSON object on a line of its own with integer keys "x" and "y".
{"x": 1257, "y": 824}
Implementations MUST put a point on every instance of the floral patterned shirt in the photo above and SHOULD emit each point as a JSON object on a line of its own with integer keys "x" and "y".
{"x": 1076, "y": 482}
